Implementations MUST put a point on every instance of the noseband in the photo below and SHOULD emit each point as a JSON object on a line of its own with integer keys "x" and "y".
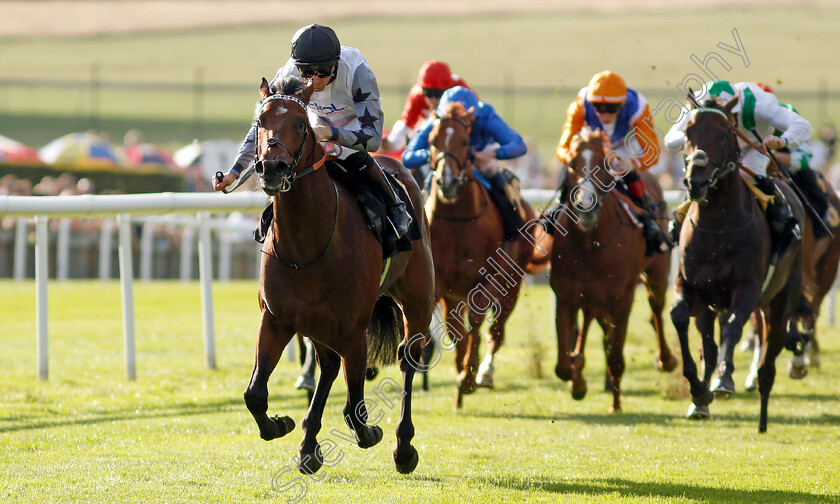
{"x": 290, "y": 172}
{"x": 700, "y": 158}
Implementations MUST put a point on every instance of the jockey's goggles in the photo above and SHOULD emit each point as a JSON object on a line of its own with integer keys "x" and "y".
{"x": 607, "y": 108}
{"x": 320, "y": 71}
{"x": 433, "y": 93}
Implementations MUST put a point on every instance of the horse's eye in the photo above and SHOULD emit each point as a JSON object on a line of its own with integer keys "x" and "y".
{"x": 259, "y": 124}
{"x": 300, "y": 125}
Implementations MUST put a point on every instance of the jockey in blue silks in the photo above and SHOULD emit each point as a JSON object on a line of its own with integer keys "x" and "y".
{"x": 491, "y": 140}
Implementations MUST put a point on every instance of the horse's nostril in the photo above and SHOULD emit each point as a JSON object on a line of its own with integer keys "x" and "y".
{"x": 258, "y": 167}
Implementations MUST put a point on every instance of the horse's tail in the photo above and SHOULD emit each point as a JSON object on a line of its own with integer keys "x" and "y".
{"x": 385, "y": 332}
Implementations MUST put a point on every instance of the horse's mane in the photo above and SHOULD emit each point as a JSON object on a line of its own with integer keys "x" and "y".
{"x": 588, "y": 136}
{"x": 454, "y": 109}
{"x": 290, "y": 85}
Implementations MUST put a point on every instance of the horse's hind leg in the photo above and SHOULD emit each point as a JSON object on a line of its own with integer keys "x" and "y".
{"x": 311, "y": 458}
{"x": 614, "y": 346}
{"x": 355, "y": 411}
{"x": 270, "y": 344}
{"x": 770, "y": 349}
{"x": 405, "y": 455}
{"x": 656, "y": 282}
{"x": 730, "y": 334}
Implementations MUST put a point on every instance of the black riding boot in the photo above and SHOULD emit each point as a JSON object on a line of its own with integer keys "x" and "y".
{"x": 808, "y": 183}
{"x": 397, "y": 213}
{"x": 655, "y": 239}
{"x": 511, "y": 220}
{"x": 784, "y": 228}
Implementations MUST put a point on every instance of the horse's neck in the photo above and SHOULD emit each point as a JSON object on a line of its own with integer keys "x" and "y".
{"x": 470, "y": 201}
{"x": 730, "y": 194}
{"x": 304, "y": 216}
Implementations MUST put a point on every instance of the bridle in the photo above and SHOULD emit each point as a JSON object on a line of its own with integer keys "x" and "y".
{"x": 290, "y": 173}
{"x": 442, "y": 156}
{"x": 721, "y": 167}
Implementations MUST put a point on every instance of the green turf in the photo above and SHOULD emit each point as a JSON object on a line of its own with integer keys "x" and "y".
{"x": 552, "y": 55}
{"x": 181, "y": 432}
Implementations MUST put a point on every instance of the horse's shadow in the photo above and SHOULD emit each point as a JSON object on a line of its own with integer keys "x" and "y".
{"x": 130, "y": 413}
{"x": 629, "y": 488}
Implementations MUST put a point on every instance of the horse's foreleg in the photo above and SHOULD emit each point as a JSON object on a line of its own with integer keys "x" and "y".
{"x": 495, "y": 339}
{"x": 564, "y": 323}
{"x": 614, "y": 348}
{"x": 578, "y": 384}
{"x": 270, "y": 344}
{"x": 311, "y": 458}
{"x": 466, "y": 378}
{"x": 681, "y": 318}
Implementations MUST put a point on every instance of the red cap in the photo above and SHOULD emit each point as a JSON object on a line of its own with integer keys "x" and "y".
{"x": 435, "y": 75}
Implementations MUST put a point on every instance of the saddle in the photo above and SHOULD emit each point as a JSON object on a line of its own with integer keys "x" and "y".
{"x": 374, "y": 210}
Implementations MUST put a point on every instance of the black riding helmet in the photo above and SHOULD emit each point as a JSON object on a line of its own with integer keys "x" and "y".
{"x": 315, "y": 49}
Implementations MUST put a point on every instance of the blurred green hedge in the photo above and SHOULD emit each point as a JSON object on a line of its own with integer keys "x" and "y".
{"x": 129, "y": 180}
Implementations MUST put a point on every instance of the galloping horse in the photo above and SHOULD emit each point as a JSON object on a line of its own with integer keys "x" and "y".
{"x": 725, "y": 258}
{"x": 475, "y": 271}
{"x": 322, "y": 276}
{"x": 597, "y": 260}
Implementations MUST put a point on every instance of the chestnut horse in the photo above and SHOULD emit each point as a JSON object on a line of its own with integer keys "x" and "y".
{"x": 475, "y": 270}
{"x": 725, "y": 258}
{"x": 322, "y": 276}
{"x": 597, "y": 260}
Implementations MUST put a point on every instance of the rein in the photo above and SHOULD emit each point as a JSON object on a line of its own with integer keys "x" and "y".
{"x": 463, "y": 166}
{"x": 700, "y": 158}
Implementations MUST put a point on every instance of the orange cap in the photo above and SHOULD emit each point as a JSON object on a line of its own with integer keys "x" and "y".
{"x": 606, "y": 87}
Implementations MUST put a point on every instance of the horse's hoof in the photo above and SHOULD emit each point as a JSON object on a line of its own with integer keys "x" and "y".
{"x": 374, "y": 436}
{"x": 666, "y": 365}
{"x": 484, "y": 377}
{"x": 698, "y": 412}
{"x": 282, "y": 426}
{"x": 465, "y": 384}
{"x": 704, "y": 398}
{"x": 578, "y": 388}
{"x": 723, "y": 386}
{"x": 797, "y": 371}
{"x": 309, "y": 463}
{"x": 406, "y": 464}
{"x": 305, "y": 382}
{"x": 751, "y": 383}
{"x": 485, "y": 381}
{"x": 564, "y": 373}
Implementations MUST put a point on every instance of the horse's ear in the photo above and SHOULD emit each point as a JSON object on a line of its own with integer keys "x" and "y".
{"x": 470, "y": 112}
{"x": 306, "y": 92}
{"x": 265, "y": 91}
{"x": 731, "y": 103}
{"x": 693, "y": 99}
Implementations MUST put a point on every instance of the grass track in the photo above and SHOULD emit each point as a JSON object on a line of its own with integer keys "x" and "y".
{"x": 181, "y": 433}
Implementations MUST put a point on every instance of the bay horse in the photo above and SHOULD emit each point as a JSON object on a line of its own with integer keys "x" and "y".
{"x": 322, "y": 276}
{"x": 597, "y": 260}
{"x": 725, "y": 258}
{"x": 476, "y": 271}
